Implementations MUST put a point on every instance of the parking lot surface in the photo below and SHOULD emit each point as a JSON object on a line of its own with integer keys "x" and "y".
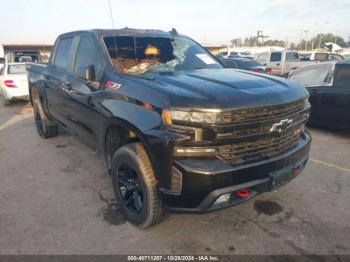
{"x": 56, "y": 198}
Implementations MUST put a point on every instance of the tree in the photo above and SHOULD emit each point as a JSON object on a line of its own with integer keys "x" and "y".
{"x": 252, "y": 41}
{"x": 319, "y": 40}
{"x": 237, "y": 42}
{"x": 293, "y": 46}
{"x": 280, "y": 43}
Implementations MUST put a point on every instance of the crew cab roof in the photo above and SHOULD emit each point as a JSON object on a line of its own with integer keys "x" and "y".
{"x": 124, "y": 31}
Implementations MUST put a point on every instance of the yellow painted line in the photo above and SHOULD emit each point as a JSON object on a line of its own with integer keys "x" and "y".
{"x": 330, "y": 165}
{"x": 16, "y": 118}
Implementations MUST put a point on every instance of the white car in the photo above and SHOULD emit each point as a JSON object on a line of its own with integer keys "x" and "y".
{"x": 13, "y": 82}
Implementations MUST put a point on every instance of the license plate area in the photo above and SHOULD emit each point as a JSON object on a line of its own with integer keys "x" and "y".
{"x": 279, "y": 179}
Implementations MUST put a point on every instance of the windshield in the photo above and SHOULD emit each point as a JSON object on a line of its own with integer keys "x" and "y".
{"x": 138, "y": 55}
{"x": 17, "y": 69}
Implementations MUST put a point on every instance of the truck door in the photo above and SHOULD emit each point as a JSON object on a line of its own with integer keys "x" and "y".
{"x": 56, "y": 77}
{"x": 335, "y": 99}
{"x": 291, "y": 61}
{"x": 275, "y": 63}
{"x": 80, "y": 94}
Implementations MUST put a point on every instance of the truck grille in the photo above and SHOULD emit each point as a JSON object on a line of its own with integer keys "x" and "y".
{"x": 253, "y": 134}
{"x": 263, "y": 147}
{"x": 262, "y": 113}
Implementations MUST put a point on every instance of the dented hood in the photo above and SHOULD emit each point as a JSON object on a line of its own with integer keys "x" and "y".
{"x": 223, "y": 88}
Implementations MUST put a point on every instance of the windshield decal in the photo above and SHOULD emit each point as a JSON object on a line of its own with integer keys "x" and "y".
{"x": 206, "y": 59}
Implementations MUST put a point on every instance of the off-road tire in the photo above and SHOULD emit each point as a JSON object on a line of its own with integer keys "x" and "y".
{"x": 45, "y": 127}
{"x": 152, "y": 210}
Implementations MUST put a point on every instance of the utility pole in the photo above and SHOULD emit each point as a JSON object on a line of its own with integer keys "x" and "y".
{"x": 320, "y": 38}
{"x": 335, "y": 37}
{"x": 306, "y": 38}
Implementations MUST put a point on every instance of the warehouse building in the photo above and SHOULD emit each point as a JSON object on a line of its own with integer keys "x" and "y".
{"x": 26, "y": 53}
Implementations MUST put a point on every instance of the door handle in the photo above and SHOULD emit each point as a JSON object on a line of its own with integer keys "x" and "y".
{"x": 278, "y": 64}
{"x": 90, "y": 102}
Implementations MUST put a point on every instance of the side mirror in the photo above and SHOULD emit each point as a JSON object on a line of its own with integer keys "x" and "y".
{"x": 86, "y": 72}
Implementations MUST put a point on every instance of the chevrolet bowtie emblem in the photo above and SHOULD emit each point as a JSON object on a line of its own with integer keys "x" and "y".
{"x": 281, "y": 125}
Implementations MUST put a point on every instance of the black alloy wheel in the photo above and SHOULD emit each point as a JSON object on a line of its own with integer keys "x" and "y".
{"x": 130, "y": 188}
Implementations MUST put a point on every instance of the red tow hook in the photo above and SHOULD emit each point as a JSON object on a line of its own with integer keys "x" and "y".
{"x": 243, "y": 193}
{"x": 296, "y": 170}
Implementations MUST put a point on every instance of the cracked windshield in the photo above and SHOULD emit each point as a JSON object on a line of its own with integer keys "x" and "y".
{"x": 138, "y": 55}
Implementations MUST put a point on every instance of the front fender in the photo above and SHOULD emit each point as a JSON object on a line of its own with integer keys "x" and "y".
{"x": 148, "y": 127}
{"x": 138, "y": 116}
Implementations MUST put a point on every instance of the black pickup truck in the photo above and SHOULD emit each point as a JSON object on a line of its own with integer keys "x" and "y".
{"x": 329, "y": 87}
{"x": 176, "y": 129}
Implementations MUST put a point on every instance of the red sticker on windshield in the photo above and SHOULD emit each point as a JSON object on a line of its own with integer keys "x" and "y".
{"x": 113, "y": 85}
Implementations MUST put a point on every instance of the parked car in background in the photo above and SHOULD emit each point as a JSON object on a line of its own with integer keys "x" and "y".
{"x": 246, "y": 55}
{"x": 245, "y": 64}
{"x": 281, "y": 62}
{"x": 329, "y": 86}
{"x": 2, "y": 62}
{"x": 233, "y": 54}
{"x": 223, "y": 55}
{"x": 304, "y": 56}
{"x": 176, "y": 128}
{"x": 321, "y": 57}
{"x": 13, "y": 83}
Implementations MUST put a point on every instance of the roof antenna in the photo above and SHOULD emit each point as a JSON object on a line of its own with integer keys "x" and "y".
{"x": 111, "y": 13}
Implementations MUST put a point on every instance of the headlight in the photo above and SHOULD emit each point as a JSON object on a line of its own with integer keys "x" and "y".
{"x": 306, "y": 101}
{"x": 210, "y": 117}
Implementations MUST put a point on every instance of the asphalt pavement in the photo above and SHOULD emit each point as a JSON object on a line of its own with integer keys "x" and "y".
{"x": 56, "y": 198}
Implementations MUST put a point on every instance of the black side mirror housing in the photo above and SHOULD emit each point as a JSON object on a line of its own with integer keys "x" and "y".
{"x": 86, "y": 72}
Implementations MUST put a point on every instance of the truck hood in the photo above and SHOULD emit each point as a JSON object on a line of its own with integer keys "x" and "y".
{"x": 223, "y": 88}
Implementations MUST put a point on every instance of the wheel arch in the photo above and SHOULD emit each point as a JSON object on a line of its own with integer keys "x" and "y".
{"x": 122, "y": 132}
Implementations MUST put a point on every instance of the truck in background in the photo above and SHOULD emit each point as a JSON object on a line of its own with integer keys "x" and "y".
{"x": 281, "y": 62}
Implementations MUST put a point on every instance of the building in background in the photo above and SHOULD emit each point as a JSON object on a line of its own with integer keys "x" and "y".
{"x": 26, "y": 53}
{"x": 216, "y": 49}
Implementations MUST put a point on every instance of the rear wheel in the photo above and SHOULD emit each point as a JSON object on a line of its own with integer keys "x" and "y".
{"x": 135, "y": 186}
{"x": 45, "y": 127}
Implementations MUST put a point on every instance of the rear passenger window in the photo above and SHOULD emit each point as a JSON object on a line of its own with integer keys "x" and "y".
{"x": 276, "y": 57}
{"x": 63, "y": 53}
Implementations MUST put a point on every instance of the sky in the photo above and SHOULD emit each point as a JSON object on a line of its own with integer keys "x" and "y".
{"x": 207, "y": 21}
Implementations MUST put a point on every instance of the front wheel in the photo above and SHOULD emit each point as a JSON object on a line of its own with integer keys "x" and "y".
{"x": 135, "y": 186}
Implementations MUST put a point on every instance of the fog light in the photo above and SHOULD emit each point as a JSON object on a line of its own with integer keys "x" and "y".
{"x": 223, "y": 198}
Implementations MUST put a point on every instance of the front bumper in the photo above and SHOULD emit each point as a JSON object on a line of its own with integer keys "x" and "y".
{"x": 204, "y": 180}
